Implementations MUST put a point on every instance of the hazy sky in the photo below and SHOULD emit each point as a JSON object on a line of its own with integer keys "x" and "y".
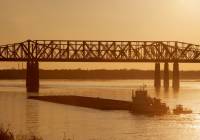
{"x": 100, "y": 20}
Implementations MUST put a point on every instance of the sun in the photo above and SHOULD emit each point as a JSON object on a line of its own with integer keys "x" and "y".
{"x": 188, "y": 8}
{"x": 190, "y": 5}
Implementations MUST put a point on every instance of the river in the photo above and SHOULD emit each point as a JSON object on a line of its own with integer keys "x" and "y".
{"x": 52, "y": 121}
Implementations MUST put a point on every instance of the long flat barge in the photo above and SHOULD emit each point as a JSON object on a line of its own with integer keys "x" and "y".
{"x": 89, "y": 102}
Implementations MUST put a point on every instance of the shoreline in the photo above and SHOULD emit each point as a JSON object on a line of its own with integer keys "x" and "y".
{"x": 79, "y": 74}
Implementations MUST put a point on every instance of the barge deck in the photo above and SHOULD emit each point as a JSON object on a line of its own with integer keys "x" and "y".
{"x": 89, "y": 102}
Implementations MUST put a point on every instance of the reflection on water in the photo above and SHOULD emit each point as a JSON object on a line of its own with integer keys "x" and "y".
{"x": 32, "y": 117}
{"x": 51, "y": 120}
{"x": 165, "y": 93}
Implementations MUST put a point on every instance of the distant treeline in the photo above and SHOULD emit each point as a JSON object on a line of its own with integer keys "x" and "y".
{"x": 94, "y": 74}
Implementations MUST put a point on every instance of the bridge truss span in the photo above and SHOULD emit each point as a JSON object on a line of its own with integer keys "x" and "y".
{"x": 100, "y": 51}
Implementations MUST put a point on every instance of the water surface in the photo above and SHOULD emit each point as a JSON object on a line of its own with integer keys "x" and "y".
{"x": 51, "y": 120}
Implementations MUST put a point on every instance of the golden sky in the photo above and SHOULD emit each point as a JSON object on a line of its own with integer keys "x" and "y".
{"x": 100, "y": 20}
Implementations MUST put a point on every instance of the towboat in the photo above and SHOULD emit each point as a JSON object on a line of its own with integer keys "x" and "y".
{"x": 181, "y": 110}
{"x": 144, "y": 104}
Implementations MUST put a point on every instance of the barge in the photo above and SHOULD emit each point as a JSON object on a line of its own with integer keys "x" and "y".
{"x": 141, "y": 103}
{"x": 90, "y": 102}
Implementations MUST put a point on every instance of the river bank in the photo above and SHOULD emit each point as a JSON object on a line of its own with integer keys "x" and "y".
{"x": 94, "y": 74}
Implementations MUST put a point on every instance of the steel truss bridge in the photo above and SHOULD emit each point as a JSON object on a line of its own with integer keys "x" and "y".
{"x": 101, "y": 51}
{"x": 34, "y": 51}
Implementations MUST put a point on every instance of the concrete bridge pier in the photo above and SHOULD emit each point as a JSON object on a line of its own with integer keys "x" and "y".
{"x": 176, "y": 78}
{"x": 32, "y": 76}
{"x": 166, "y": 76}
{"x": 157, "y": 79}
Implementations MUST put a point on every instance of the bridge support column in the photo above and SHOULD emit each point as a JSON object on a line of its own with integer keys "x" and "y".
{"x": 176, "y": 80}
{"x": 157, "y": 79}
{"x": 166, "y": 76}
{"x": 32, "y": 76}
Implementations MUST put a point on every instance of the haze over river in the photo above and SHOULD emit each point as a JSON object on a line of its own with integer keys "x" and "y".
{"x": 52, "y": 121}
